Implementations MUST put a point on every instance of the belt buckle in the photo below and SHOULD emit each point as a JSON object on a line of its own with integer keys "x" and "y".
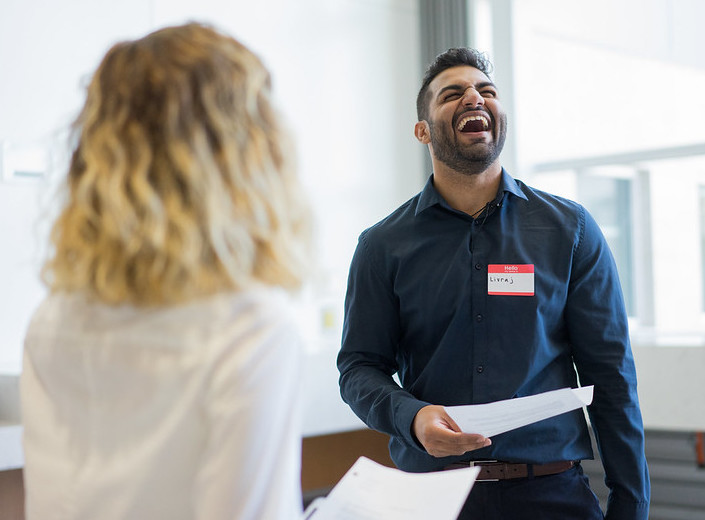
{"x": 479, "y": 464}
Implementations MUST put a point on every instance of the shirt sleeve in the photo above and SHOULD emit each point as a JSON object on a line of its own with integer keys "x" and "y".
{"x": 367, "y": 359}
{"x": 598, "y": 330}
{"x": 251, "y": 466}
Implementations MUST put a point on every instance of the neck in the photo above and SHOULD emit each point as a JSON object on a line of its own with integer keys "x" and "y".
{"x": 465, "y": 192}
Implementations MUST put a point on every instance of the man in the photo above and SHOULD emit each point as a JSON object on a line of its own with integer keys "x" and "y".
{"x": 423, "y": 302}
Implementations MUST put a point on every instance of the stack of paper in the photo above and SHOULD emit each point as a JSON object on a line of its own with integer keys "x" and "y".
{"x": 501, "y": 416}
{"x": 370, "y": 491}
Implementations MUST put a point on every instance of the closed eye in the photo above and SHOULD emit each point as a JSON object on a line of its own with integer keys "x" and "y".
{"x": 452, "y": 96}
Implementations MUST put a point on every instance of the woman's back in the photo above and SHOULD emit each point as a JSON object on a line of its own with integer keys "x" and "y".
{"x": 175, "y": 412}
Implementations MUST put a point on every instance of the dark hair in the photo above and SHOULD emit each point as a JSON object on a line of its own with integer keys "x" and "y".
{"x": 450, "y": 58}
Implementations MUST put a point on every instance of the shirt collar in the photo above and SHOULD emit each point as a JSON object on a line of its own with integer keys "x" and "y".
{"x": 430, "y": 196}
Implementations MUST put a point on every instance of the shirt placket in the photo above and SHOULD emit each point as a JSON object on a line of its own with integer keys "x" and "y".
{"x": 478, "y": 311}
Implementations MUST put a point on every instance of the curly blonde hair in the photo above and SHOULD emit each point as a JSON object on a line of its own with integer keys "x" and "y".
{"x": 181, "y": 183}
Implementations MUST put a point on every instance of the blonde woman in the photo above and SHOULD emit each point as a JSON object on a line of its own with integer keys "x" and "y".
{"x": 161, "y": 373}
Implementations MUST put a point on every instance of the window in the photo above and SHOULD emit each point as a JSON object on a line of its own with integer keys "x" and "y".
{"x": 612, "y": 118}
{"x": 609, "y": 200}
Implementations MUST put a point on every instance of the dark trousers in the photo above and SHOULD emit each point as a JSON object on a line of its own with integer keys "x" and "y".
{"x": 564, "y": 496}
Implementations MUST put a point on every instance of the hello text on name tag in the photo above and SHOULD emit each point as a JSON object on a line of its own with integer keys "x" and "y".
{"x": 510, "y": 279}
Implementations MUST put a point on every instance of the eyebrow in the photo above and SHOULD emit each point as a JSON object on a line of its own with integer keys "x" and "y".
{"x": 478, "y": 86}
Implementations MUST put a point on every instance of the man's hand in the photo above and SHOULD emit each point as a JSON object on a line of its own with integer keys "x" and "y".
{"x": 441, "y": 437}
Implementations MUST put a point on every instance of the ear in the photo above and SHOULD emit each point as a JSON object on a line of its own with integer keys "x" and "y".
{"x": 422, "y": 132}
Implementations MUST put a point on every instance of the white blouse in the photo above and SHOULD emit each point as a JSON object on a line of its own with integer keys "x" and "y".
{"x": 186, "y": 412}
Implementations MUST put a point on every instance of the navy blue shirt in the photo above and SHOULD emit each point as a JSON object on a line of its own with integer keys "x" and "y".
{"x": 419, "y": 305}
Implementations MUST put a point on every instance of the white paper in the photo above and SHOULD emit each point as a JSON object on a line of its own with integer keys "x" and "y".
{"x": 501, "y": 416}
{"x": 370, "y": 491}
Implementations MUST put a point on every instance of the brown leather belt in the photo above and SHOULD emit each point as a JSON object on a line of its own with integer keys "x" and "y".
{"x": 491, "y": 470}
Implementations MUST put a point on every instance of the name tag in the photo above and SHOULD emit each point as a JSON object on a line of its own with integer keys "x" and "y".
{"x": 510, "y": 279}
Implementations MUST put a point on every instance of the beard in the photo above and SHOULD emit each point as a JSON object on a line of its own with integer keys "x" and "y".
{"x": 468, "y": 159}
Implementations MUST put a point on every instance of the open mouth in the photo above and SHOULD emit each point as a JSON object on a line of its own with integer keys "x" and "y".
{"x": 473, "y": 123}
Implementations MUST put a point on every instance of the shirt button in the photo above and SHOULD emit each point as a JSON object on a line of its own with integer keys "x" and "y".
{"x": 478, "y": 266}
{"x": 480, "y": 369}
{"x": 479, "y": 317}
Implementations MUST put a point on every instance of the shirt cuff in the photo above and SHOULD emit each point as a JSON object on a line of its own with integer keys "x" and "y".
{"x": 405, "y": 413}
{"x": 624, "y": 510}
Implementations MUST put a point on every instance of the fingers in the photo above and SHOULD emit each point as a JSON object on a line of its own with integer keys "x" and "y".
{"x": 441, "y": 436}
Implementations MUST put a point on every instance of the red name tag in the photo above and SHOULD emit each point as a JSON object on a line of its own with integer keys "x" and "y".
{"x": 510, "y": 279}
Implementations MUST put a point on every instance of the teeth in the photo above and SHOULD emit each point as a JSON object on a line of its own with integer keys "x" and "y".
{"x": 466, "y": 120}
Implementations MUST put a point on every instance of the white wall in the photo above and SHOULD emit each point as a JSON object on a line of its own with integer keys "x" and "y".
{"x": 345, "y": 75}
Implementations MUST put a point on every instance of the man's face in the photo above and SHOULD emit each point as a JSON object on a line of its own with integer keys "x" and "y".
{"x": 467, "y": 124}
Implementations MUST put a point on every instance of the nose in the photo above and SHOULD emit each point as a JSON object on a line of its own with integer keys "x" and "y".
{"x": 472, "y": 97}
